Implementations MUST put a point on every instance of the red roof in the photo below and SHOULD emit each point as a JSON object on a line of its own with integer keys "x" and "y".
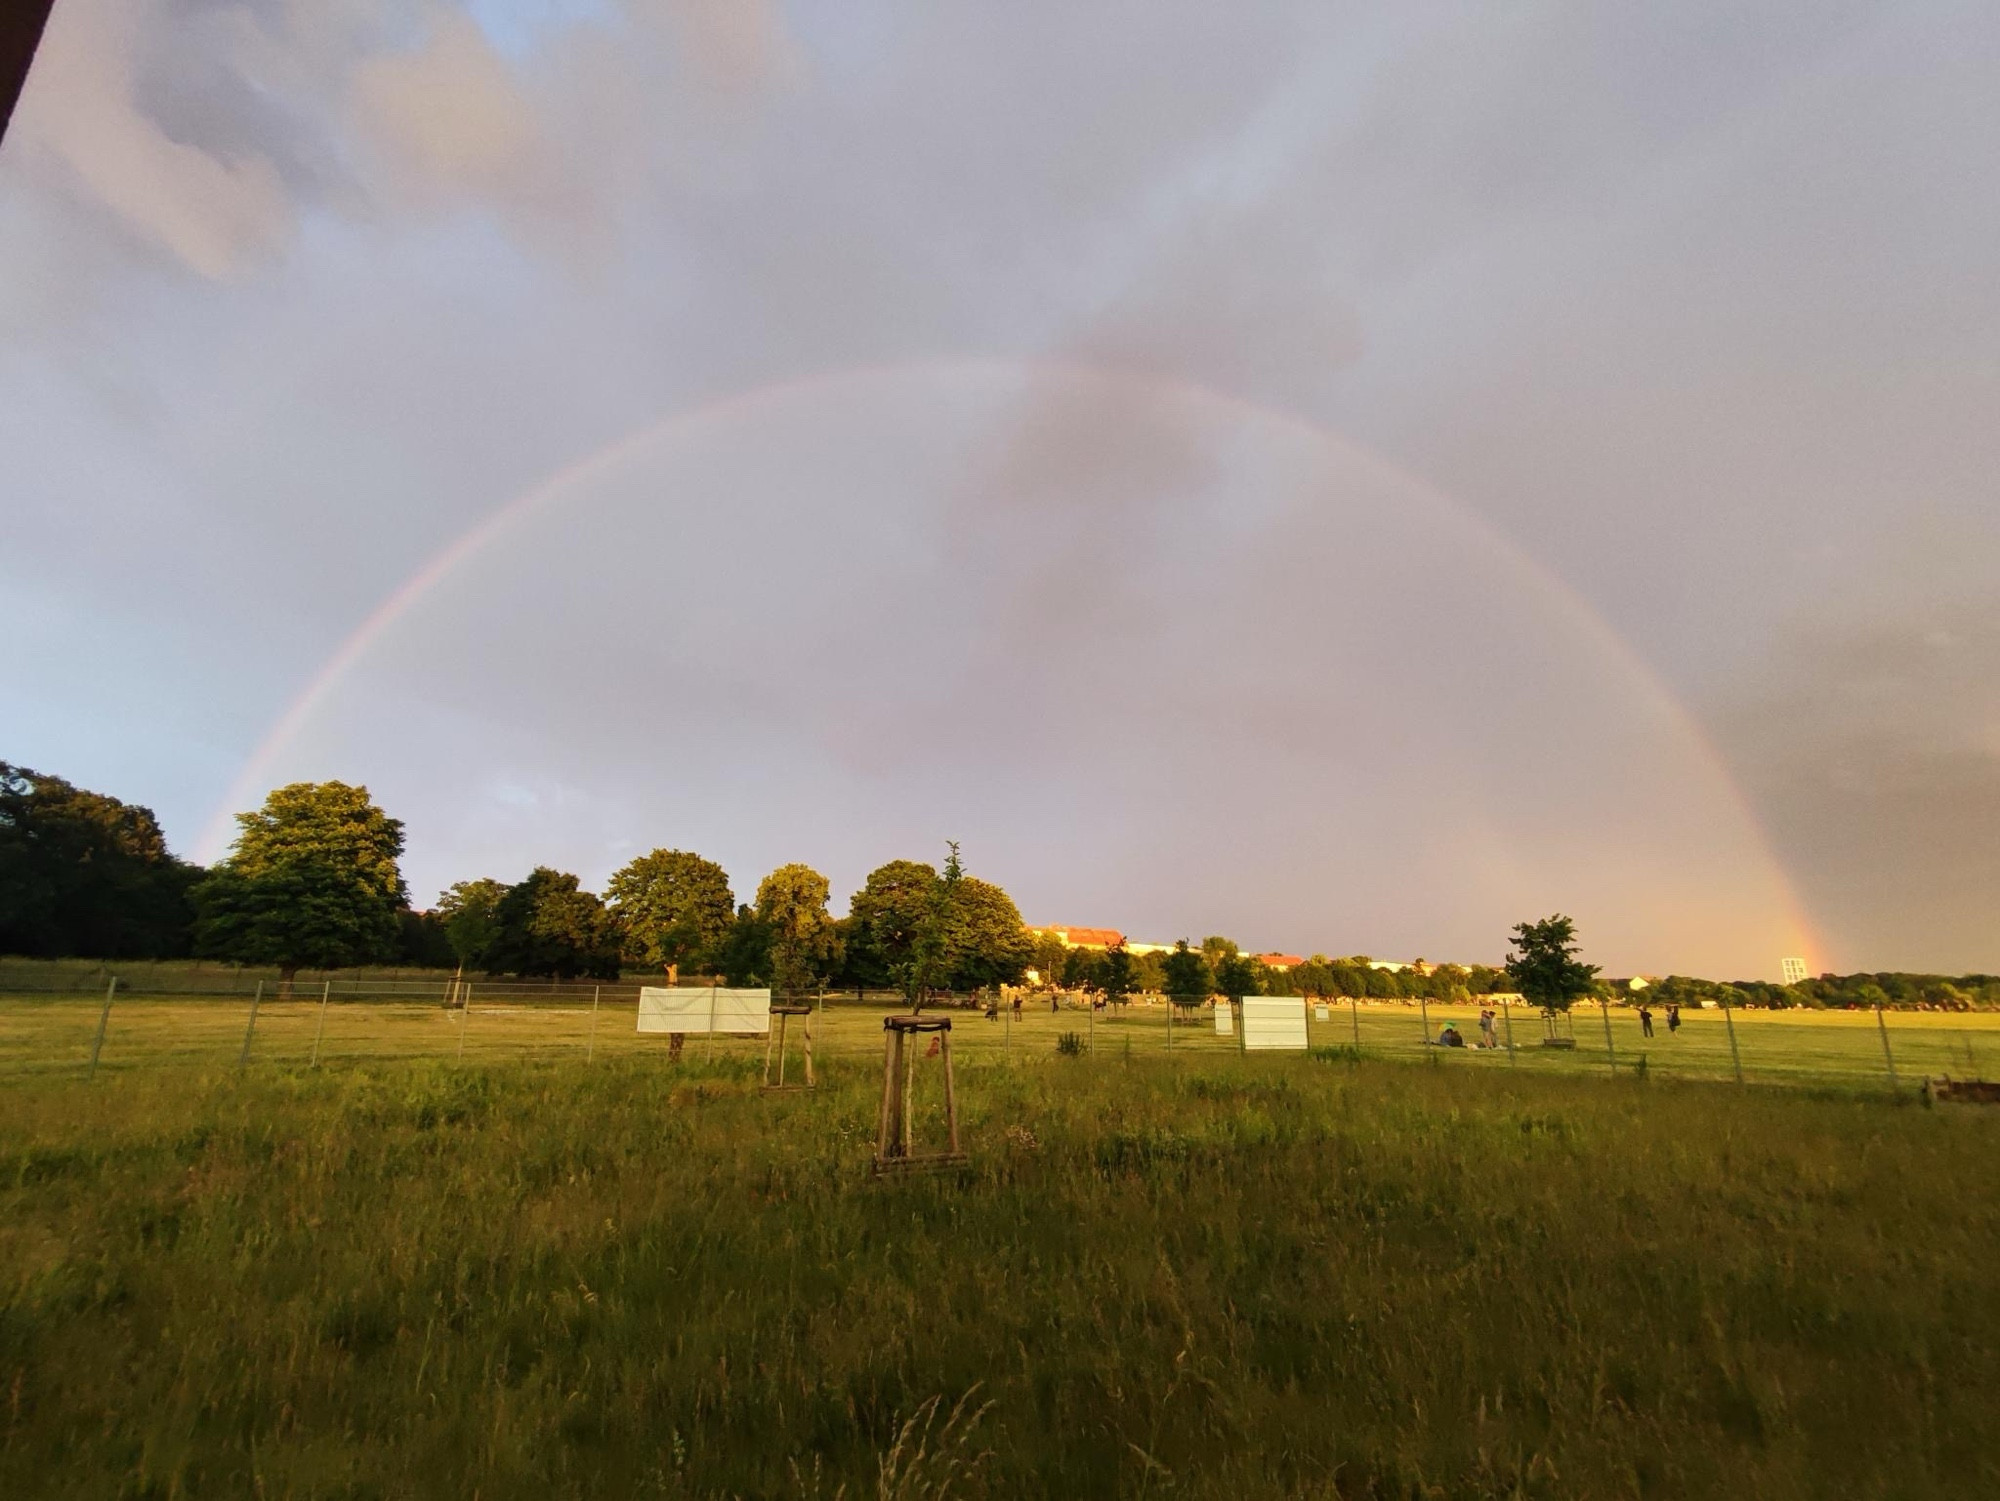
{"x": 1279, "y": 961}
{"x": 1088, "y": 938}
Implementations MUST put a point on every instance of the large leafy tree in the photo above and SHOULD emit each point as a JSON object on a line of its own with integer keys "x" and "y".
{"x": 549, "y": 925}
{"x": 1115, "y": 974}
{"x": 674, "y": 908}
{"x": 1189, "y": 980}
{"x": 87, "y": 875}
{"x": 745, "y": 953}
{"x": 1314, "y": 977}
{"x": 469, "y": 911}
{"x": 804, "y": 944}
{"x": 1544, "y": 966}
{"x": 986, "y": 943}
{"x": 1237, "y": 976}
{"x": 312, "y": 880}
{"x": 886, "y": 917}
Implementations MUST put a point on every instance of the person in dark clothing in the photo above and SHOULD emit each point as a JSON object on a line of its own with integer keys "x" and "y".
{"x": 1673, "y": 1020}
{"x": 1646, "y": 1021}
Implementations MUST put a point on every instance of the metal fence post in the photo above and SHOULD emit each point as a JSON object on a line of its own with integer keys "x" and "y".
{"x": 103, "y": 1021}
{"x": 325, "y": 995}
{"x": 464, "y": 1015}
{"x": 1610, "y": 1052}
{"x": 243, "y": 1058}
{"x": 1888, "y": 1057}
{"x": 1507, "y": 1015}
{"x": 710, "y": 1054}
{"x": 1424, "y": 1010}
{"x": 1354, "y": 1013}
{"x": 1729, "y": 1021}
{"x": 596, "y": 998}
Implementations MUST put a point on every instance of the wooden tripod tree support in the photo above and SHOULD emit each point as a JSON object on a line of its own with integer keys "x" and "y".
{"x": 776, "y": 1039}
{"x": 893, "y": 1152}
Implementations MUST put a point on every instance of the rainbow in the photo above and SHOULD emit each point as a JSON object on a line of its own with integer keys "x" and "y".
{"x": 252, "y": 778}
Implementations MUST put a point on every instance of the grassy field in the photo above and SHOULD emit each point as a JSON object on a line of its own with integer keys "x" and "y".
{"x": 531, "y": 1275}
{"x": 46, "y": 1033}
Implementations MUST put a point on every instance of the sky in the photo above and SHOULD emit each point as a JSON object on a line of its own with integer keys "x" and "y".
{"x": 1350, "y": 477}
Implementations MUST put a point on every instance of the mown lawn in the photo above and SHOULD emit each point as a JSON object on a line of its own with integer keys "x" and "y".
{"x": 1214, "y": 1276}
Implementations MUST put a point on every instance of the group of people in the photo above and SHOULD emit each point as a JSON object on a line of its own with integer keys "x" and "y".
{"x": 1451, "y": 1037}
{"x": 1646, "y": 1019}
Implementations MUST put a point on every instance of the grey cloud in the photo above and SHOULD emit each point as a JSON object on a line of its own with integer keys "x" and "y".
{"x": 1872, "y": 742}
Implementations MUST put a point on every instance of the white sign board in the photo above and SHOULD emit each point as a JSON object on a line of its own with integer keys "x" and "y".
{"x": 1275, "y": 1023}
{"x": 699, "y": 1011}
{"x": 1225, "y": 1019}
{"x": 1321, "y": 1014}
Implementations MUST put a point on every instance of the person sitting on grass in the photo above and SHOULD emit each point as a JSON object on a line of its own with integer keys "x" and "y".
{"x": 1449, "y": 1037}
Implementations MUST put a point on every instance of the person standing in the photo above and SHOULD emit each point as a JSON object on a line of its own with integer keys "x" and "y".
{"x": 1487, "y": 1039}
{"x": 1645, "y": 1021}
{"x": 1673, "y": 1018}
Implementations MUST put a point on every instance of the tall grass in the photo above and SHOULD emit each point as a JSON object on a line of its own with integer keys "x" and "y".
{"x": 1223, "y": 1279}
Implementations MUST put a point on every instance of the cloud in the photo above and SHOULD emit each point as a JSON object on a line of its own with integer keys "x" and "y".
{"x": 1872, "y": 744}
{"x": 217, "y": 212}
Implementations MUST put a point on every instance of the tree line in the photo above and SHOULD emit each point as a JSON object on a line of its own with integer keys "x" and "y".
{"x": 314, "y": 880}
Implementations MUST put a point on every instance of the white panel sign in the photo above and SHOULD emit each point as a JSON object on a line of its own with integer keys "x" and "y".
{"x": 698, "y": 1011}
{"x": 1321, "y": 1014}
{"x": 1225, "y": 1019}
{"x": 1274, "y": 1022}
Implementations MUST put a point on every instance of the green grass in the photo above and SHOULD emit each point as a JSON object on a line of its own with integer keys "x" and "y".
{"x": 1215, "y": 1276}
{"x": 52, "y": 1033}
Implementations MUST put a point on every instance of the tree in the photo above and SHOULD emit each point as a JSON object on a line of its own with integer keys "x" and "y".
{"x": 311, "y": 880}
{"x": 1047, "y": 958}
{"x": 86, "y": 875}
{"x": 1083, "y": 969}
{"x": 1115, "y": 974}
{"x": 885, "y": 918}
{"x": 745, "y": 954}
{"x": 674, "y": 909}
{"x": 985, "y": 940}
{"x": 1216, "y": 948}
{"x": 1314, "y": 978}
{"x": 468, "y": 911}
{"x": 791, "y": 904}
{"x": 1544, "y": 966}
{"x": 549, "y": 925}
{"x": 1188, "y": 979}
{"x": 1237, "y": 977}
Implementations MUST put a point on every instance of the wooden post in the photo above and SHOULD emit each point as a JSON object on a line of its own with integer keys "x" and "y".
{"x": 771, "y": 1036}
{"x": 950, "y": 1093}
{"x": 1888, "y": 1057}
{"x": 710, "y": 1054}
{"x": 325, "y": 995}
{"x": 1354, "y": 1013}
{"x": 1089, "y": 1021}
{"x": 103, "y": 1021}
{"x": 906, "y": 1088}
{"x": 1006, "y": 1023}
{"x": 892, "y": 1070}
{"x": 1604, "y": 1008}
{"x": 596, "y": 999}
{"x": 1170, "y": 1024}
{"x": 464, "y": 1016}
{"x": 243, "y": 1058}
{"x": 811, "y": 1083}
{"x": 1735, "y": 1057}
{"x": 1424, "y": 1006}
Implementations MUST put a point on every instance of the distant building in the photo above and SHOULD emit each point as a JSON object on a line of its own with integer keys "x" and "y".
{"x": 1083, "y": 938}
{"x": 1279, "y": 962}
{"x": 1794, "y": 970}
